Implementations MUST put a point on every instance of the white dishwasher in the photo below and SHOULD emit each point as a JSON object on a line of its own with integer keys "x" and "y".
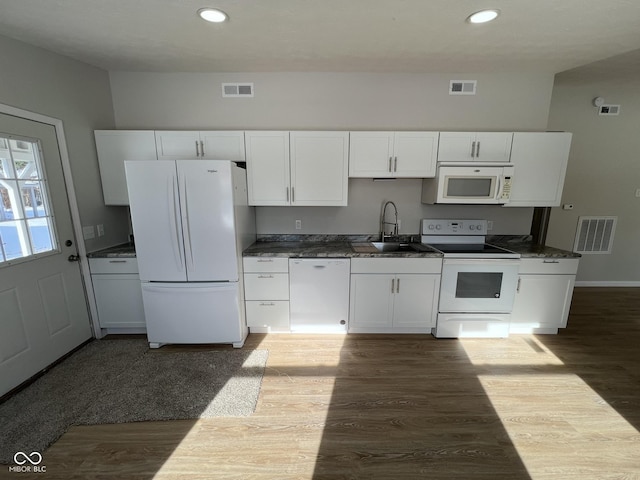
{"x": 319, "y": 294}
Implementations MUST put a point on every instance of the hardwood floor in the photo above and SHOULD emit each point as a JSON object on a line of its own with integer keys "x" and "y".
{"x": 407, "y": 407}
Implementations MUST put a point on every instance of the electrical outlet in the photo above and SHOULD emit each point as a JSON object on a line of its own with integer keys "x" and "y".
{"x": 88, "y": 233}
{"x": 100, "y": 229}
{"x": 567, "y": 206}
{"x": 298, "y": 224}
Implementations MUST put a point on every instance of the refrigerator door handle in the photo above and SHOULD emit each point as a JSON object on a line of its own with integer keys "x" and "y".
{"x": 185, "y": 220}
{"x": 173, "y": 216}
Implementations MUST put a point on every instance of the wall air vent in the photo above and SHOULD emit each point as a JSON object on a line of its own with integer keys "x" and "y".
{"x": 609, "y": 110}
{"x": 462, "y": 87}
{"x": 594, "y": 235}
{"x": 237, "y": 89}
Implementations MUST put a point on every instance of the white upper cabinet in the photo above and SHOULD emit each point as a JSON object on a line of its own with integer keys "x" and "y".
{"x": 393, "y": 154}
{"x": 319, "y": 168}
{"x": 212, "y": 145}
{"x": 297, "y": 168}
{"x": 113, "y": 148}
{"x": 540, "y": 160}
{"x": 475, "y": 147}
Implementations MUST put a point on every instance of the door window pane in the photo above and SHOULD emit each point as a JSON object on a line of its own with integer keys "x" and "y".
{"x": 479, "y": 285}
{"x": 26, "y": 220}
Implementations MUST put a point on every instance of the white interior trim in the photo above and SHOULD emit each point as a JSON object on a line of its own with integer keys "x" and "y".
{"x": 614, "y": 283}
{"x": 73, "y": 204}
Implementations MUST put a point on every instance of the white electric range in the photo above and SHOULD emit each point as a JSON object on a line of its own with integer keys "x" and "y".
{"x": 478, "y": 283}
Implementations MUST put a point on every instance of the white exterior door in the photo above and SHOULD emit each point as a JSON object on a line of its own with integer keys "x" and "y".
{"x": 42, "y": 301}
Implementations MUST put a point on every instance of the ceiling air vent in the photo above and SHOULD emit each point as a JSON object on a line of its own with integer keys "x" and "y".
{"x": 462, "y": 87}
{"x": 237, "y": 89}
{"x": 609, "y": 110}
{"x": 594, "y": 234}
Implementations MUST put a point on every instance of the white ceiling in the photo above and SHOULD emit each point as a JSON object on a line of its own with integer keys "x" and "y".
{"x": 546, "y": 36}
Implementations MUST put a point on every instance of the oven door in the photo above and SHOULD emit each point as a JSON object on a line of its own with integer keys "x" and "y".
{"x": 478, "y": 285}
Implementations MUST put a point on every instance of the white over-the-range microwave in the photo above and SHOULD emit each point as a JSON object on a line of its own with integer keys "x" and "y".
{"x": 469, "y": 184}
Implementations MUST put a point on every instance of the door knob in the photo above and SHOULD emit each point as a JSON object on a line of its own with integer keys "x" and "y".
{"x": 73, "y": 258}
{"x": 68, "y": 243}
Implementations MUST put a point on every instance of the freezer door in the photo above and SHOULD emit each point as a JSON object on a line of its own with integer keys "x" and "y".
{"x": 206, "y": 196}
{"x": 157, "y": 226}
{"x": 192, "y": 313}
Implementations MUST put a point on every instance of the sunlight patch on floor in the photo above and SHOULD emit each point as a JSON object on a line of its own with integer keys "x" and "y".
{"x": 514, "y": 351}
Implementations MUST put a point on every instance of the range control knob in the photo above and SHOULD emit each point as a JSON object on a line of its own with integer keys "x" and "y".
{"x": 431, "y": 227}
{"x": 479, "y": 227}
{"x": 472, "y": 227}
{"x": 438, "y": 227}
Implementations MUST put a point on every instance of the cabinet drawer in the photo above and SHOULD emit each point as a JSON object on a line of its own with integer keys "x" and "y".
{"x": 551, "y": 266}
{"x": 396, "y": 265}
{"x": 268, "y": 314}
{"x": 265, "y": 264}
{"x": 113, "y": 265}
{"x": 266, "y": 286}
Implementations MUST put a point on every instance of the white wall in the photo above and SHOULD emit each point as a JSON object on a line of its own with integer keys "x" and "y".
{"x": 78, "y": 94}
{"x": 342, "y": 101}
{"x": 604, "y": 169}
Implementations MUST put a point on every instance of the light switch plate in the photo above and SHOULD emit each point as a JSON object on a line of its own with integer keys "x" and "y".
{"x": 88, "y": 232}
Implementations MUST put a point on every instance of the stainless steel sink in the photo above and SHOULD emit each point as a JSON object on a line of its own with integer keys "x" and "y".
{"x": 394, "y": 247}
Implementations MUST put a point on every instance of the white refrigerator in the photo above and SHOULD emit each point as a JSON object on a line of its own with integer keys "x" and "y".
{"x": 191, "y": 222}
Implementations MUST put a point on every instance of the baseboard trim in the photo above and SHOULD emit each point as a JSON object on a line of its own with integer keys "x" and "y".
{"x": 607, "y": 284}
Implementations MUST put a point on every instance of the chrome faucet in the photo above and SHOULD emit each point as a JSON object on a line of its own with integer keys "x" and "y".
{"x": 384, "y": 236}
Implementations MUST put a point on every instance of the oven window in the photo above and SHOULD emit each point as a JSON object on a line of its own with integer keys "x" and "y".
{"x": 469, "y": 187}
{"x": 479, "y": 285}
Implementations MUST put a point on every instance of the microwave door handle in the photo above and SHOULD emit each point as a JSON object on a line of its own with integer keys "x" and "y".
{"x": 499, "y": 189}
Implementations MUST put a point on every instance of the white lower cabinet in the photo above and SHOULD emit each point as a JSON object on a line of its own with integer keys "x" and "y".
{"x": 543, "y": 297}
{"x": 394, "y": 295}
{"x": 266, "y": 292}
{"x": 116, "y": 287}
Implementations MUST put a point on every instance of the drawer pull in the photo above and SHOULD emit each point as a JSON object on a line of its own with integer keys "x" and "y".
{"x": 117, "y": 261}
{"x": 265, "y": 276}
{"x": 265, "y": 261}
{"x": 551, "y": 261}
{"x": 270, "y": 304}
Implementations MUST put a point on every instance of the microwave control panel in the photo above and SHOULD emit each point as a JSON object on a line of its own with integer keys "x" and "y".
{"x": 506, "y": 190}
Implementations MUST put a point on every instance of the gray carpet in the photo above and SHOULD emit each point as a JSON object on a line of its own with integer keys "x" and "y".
{"x": 119, "y": 381}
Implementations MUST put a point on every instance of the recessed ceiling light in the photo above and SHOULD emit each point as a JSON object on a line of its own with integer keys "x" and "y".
{"x": 212, "y": 15}
{"x": 483, "y": 16}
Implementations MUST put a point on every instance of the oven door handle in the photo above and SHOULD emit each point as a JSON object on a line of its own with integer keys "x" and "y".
{"x": 481, "y": 261}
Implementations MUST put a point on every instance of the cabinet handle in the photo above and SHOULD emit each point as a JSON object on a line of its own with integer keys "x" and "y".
{"x": 551, "y": 261}
{"x": 117, "y": 261}
{"x": 478, "y": 149}
{"x": 519, "y": 282}
{"x": 287, "y": 194}
{"x": 390, "y": 160}
{"x": 293, "y": 195}
{"x": 265, "y": 276}
{"x": 270, "y": 304}
{"x": 197, "y": 151}
{"x": 473, "y": 149}
{"x": 201, "y": 148}
{"x": 392, "y": 284}
{"x": 398, "y": 286}
{"x": 395, "y": 164}
{"x": 269, "y": 261}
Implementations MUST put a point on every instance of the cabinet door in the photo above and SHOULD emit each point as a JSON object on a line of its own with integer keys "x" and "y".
{"x": 456, "y": 146}
{"x": 415, "y": 154}
{"x": 541, "y": 161}
{"x": 119, "y": 301}
{"x": 223, "y": 145}
{"x": 319, "y": 168}
{"x": 416, "y": 301}
{"x": 178, "y": 145}
{"x": 371, "y": 305}
{"x": 542, "y": 303}
{"x": 114, "y": 147}
{"x": 268, "y": 168}
{"x": 493, "y": 146}
{"x": 371, "y": 154}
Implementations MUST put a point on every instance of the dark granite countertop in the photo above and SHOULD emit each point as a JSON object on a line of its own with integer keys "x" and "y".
{"x": 524, "y": 245}
{"x": 125, "y": 250}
